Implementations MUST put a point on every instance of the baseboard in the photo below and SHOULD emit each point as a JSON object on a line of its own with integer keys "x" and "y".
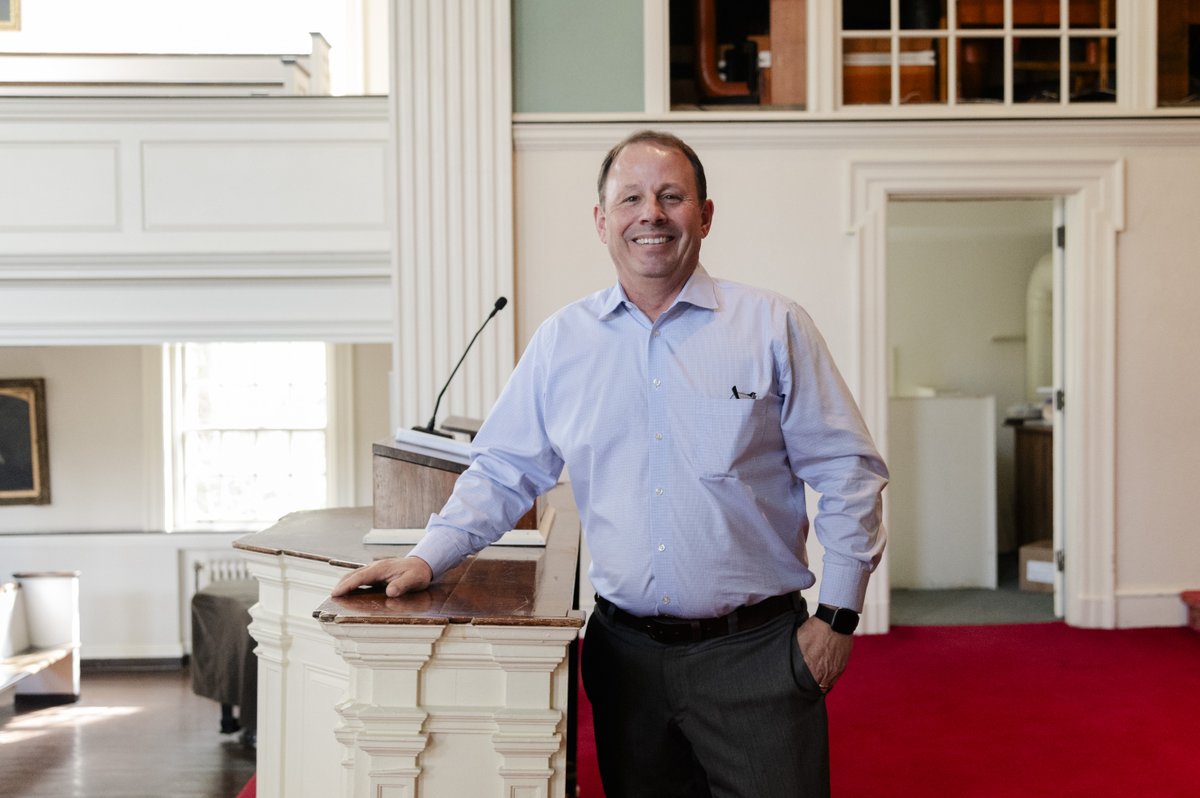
{"x": 149, "y": 651}
{"x": 1136, "y": 610}
{"x": 132, "y": 664}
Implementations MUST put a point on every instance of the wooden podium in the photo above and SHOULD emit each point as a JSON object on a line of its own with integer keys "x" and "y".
{"x": 412, "y": 481}
{"x": 464, "y": 689}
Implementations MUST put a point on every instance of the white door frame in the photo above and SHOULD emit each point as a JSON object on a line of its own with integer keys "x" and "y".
{"x": 1093, "y": 190}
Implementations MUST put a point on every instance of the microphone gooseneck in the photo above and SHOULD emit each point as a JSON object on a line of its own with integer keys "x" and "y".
{"x": 496, "y": 308}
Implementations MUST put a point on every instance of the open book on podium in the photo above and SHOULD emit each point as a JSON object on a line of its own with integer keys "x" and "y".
{"x": 414, "y": 475}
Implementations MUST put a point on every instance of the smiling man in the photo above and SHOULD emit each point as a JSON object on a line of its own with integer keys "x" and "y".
{"x": 692, "y": 413}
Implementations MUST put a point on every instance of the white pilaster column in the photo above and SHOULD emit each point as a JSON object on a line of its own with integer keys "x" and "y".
{"x": 452, "y": 241}
{"x": 267, "y": 628}
{"x": 532, "y": 725}
{"x": 383, "y": 722}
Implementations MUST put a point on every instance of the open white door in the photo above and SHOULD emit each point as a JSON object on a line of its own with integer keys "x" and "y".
{"x": 1060, "y": 429}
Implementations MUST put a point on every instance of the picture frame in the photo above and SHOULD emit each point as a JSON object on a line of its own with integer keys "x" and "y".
{"x": 10, "y": 14}
{"x": 24, "y": 446}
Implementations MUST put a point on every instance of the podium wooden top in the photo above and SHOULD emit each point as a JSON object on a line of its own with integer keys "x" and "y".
{"x": 501, "y": 585}
{"x": 420, "y": 455}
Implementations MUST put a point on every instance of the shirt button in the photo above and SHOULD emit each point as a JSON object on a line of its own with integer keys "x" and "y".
{"x": 662, "y": 547}
{"x": 666, "y": 599}
{"x": 658, "y": 491}
{"x": 657, "y": 382}
{"x": 657, "y": 333}
{"x": 658, "y": 436}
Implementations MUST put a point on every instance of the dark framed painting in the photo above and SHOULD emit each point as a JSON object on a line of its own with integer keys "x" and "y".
{"x": 24, "y": 451}
{"x": 10, "y": 14}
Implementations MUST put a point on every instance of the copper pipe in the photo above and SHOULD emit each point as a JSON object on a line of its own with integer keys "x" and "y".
{"x": 711, "y": 84}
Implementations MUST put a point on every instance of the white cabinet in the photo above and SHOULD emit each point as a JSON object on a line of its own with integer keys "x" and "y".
{"x": 942, "y": 496}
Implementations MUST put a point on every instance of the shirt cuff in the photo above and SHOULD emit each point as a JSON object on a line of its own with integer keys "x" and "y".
{"x": 843, "y": 586}
{"x": 439, "y": 550}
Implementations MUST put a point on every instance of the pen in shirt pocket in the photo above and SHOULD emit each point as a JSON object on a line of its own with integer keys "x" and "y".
{"x": 743, "y": 394}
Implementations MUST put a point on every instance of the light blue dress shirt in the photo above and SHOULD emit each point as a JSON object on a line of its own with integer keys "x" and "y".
{"x": 692, "y": 500}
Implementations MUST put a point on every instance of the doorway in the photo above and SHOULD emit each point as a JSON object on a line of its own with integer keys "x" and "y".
{"x": 969, "y": 305}
{"x": 1093, "y": 213}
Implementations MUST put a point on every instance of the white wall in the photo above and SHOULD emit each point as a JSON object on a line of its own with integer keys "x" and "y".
{"x": 1158, "y": 380}
{"x": 99, "y": 452}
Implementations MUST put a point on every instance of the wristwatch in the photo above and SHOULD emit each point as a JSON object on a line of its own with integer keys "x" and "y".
{"x": 840, "y": 619}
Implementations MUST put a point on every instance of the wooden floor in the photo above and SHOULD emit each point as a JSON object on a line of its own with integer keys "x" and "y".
{"x": 139, "y": 734}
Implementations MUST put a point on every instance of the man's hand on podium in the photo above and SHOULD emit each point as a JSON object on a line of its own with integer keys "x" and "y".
{"x": 400, "y": 574}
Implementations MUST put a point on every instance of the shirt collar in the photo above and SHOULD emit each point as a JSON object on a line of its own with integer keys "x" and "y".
{"x": 700, "y": 290}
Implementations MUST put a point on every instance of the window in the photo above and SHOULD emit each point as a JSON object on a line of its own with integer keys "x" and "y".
{"x": 936, "y": 58}
{"x": 1178, "y": 52}
{"x": 250, "y": 432}
{"x": 901, "y": 52}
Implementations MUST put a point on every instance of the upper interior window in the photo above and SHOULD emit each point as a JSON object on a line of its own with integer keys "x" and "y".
{"x": 738, "y": 53}
{"x": 969, "y": 55}
{"x": 949, "y": 52}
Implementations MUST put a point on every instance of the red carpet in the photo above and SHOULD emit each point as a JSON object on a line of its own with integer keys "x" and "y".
{"x": 1027, "y": 710}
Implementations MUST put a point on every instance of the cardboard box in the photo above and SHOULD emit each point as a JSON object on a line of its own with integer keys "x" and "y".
{"x": 1037, "y": 566}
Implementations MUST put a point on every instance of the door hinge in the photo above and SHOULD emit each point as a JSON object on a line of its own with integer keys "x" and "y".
{"x": 1060, "y": 399}
{"x": 1060, "y": 560}
{"x": 1060, "y": 236}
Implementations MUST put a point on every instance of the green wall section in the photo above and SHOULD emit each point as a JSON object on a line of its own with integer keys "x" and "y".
{"x": 577, "y": 55}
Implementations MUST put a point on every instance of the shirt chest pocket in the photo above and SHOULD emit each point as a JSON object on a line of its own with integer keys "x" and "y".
{"x": 723, "y": 434}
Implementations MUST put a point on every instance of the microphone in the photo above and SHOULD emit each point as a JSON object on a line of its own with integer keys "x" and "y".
{"x": 499, "y": 306}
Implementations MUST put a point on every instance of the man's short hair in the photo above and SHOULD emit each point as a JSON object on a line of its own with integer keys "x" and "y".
{"x": 662, "y": 139}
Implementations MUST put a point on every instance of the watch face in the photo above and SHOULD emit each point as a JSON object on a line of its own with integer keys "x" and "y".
{"x": 845, "y": 621}
{"x": 841, "y": 620}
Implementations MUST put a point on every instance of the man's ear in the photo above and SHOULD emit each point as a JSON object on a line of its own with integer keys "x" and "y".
{"x": 706, "y": 217}
{"x": 601, "y": 223}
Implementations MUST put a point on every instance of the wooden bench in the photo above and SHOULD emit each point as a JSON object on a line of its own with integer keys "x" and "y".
{"x": 29, "y": 667}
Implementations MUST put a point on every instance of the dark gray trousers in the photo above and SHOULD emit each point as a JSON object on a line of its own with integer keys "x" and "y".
{"x": 733, "y": 717}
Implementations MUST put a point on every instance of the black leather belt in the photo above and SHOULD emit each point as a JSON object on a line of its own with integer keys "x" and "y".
{"x": 693, "y": 630}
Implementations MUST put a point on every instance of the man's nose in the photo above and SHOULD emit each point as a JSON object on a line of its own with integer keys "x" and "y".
{"x": 652, "y": 210}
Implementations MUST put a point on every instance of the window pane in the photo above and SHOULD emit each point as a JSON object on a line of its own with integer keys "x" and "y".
{"x": 866, "y": 71}
{"x": 980, "y": 14}
{"x": 922, "y": 14}
{"x": 866, "y": 14}
{"x": 1101, "y": 13}
{"x": 1036, "y": 14}
{"x": 1093, "y": 70}
{"x": 980, "y": 70}
{"x": 1036, "y": 70}
{"x": 1178, "y": 54}
{"x": 921, "y": 75}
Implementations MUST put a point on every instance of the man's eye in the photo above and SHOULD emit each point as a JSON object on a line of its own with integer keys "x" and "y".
{"x": 670, "y": 198}
{"x": 630, "y": 199}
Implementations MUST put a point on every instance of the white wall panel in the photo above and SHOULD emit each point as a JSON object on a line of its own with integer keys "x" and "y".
{"x": 143, "y": 220}
{"x": 59, "y": 186}
{"x": 354, "y": 310}
{"x": 263, "y": 185}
